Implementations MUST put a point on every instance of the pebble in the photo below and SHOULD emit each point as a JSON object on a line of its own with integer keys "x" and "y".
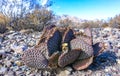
{"x": 28, "y": 72}
{"x": 68, "y": 69}
{"x": 3, "y": 70}
{"x": 64, "y": 73}
{"x": 108, "y": 74}
{"x": 32, "y": 43}
{"x": 2, "y": 51}
{"x": 89, "y": 72}
{"x": 10, "y": 73}
{"x": 15, "y": 68}
{"x": 19, "y": 63}
{"x": 118, "y": 61}
{"x": 8, "y": 63}
{"x": 106, "y": 70}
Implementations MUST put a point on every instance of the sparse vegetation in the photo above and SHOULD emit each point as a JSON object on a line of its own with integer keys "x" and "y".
{"x": 36, "y": 20}
{"x": 38, "y": 17}
{"x": 33, "y": 16}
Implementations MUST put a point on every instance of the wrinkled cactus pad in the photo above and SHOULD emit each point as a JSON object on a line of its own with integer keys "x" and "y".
{"x": 68, "y": 57}
{"x": 35, "y": 58}
{"x": 83, "y": 63}
{"x": 79, "y": 44}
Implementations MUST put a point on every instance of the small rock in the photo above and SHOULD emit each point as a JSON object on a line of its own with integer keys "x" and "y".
{"x": 15, "y": 68}
{"x": 64, "y": 73}
{"x": 68, "y": 69}
{"x": 19, "y": 73}
{"x": 107, "y": 74}
{"x": 3, "y": 70}
{"x": 89, "y": 72}
{"x": 2, "y": 51}
{"x": 2, "y": 55}
{"x": 118, "y": 61}
{"x": 106, "y": 70}
{"x": 8, "y": 63}
{"x": 19, "y": 63}
{"x": 26, "y": 31}
{"x": 10, "y": 73}
{"x": 31, "y": 43}
{"x": 28, "y": 72}
{"x": 24, "y": 68}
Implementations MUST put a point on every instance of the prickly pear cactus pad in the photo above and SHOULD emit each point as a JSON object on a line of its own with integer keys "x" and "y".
{"x": 83, "y": 63}
{"x": 67, "y": 58}
{"x": 79, "y": 44}
{"x": 54, "y": 42}
{"x": 35, "y": 58}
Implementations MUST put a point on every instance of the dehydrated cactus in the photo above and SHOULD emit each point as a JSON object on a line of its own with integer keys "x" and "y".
{"x": 77, "y": 50}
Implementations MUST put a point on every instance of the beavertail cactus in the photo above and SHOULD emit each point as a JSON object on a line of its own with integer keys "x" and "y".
{"x": 61, "y": 47}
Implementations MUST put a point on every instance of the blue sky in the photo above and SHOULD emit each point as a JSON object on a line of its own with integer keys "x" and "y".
{"x": 87, "y": 9}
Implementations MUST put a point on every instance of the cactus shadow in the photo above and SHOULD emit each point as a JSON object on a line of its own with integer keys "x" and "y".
{"x": 107, "y": 58}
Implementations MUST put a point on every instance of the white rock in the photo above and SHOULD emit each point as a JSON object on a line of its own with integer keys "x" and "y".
{"x": 2, "y": 51}
{"x": 19, "y": 72}
{"x": 106, "y": 70}
{"x": 8, "y": 63}
{"x": 3, "y": 70}
{"x": 15, "y": 68}
{"x": 107, "y": 29}
{"x": 28, "y": 72}
{"x": 10, "y": 73}
{"x": 118, "y": 61}
{"x": 68, "y": 69}
{"x": 64, "y": 73}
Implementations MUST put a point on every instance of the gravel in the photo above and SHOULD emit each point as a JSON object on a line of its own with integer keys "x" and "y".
{"x": 12, "y": 45}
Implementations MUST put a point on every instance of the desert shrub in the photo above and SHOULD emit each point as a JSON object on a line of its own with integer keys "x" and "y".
{"x": 104, "y": 25}
{"x": 36, "y": 20}
{"x": 115, "y": 21}
{"x": 33, "y": 16}
{"x": 65, "y": 22}
{"x": 4, "y": 20}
